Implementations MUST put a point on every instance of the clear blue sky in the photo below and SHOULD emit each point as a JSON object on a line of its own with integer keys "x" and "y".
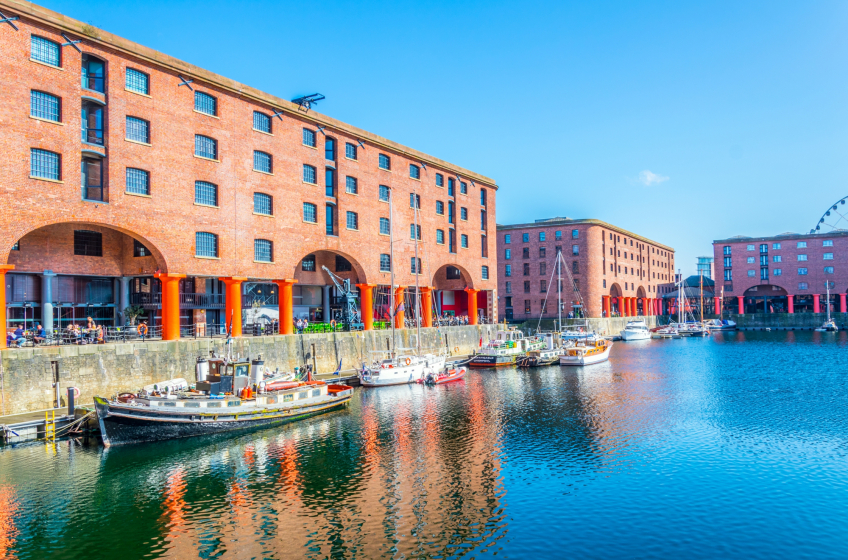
{"x": 734, "y": 113}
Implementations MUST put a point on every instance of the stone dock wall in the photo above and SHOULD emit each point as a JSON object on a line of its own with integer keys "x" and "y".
{"x": 27, "y": 374}
{"x": 607, "y": 326}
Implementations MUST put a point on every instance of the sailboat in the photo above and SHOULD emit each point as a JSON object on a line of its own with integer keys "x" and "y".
{"x": 690, "y": 328}
{"x": 394, "y": 368}
{"x": 721, "y": 324}
{"x": 829, "y": 324}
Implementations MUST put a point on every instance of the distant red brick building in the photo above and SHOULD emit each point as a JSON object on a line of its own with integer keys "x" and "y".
{"x": 613, "y": 270}
{"x": 185, "y": 192}
{"x": 784, "y": 273}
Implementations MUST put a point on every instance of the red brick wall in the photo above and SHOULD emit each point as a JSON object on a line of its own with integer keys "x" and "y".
{"x": 634, "y": 266}
{"x": 166, "y": 222}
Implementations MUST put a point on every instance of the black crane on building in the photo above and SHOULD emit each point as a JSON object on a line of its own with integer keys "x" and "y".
{"x": 350, "y": 317}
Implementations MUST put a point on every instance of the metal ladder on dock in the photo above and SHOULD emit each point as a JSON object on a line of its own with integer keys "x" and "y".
{"x": 50, "y": 425}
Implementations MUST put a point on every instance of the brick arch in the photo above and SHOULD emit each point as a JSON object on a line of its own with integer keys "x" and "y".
{"x": 440, "y": 281}
{"x": 158, "y": 255}
{"x": 640, "y": 292}
{"x": 327, "y": 257}
{"x": 615, "y": 290}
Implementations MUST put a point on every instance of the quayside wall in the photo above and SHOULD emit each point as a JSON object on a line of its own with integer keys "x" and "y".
{"x": 785, "y": 321}
{"x": 602, "y": 326}
{"x": 27, "y": 374}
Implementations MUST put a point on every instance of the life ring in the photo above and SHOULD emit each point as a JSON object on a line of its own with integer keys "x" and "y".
{"x": 408, "y": 361}
{"x": 126, "y": 397}
{"x": 456, "y": 349}
{"x": 142, "y": 329}
{"x": 333, "y": 324}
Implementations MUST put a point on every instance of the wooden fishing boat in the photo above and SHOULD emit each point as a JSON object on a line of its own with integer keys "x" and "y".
{"x": 507, "y": 347}
{"x": 227, "y": 404}
{"x": 586, "y": 354}
{"x": 444, "y": 377}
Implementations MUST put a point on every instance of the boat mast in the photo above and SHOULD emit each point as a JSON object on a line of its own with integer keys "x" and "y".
{"x": 827, "y": 287}
{"x": 702, "y": 296}
{"x": 417, "y": 273}
{"x": 559, "y": 289}
{"x": 392, "y": 310}
{"x": 681, "y": 301}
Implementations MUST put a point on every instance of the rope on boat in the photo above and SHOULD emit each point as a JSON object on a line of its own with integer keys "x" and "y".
{"x": 76, "y": 422}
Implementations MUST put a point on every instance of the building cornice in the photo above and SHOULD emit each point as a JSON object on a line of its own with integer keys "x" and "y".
{"x": 782, "y": 236}
{"x": 589, "y": 221}
{"x": 89, "y": 33}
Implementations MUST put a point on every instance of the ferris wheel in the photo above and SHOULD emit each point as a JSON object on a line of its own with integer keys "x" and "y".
{"x": 835, "y": 218}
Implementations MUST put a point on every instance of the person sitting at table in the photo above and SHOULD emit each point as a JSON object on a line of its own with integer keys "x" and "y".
{"x": 99, "y": 335}
{"x": 91, "y": 329}
{"x": 40, "y": 335}
{"x": 13, "y": 340}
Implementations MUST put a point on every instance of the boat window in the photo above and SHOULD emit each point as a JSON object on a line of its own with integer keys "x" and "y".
{"x": 213, "y": 405}
{"x": 192, "y": 405}
{"x": 233, "y": 403}
{"x": 241, "y": 371}
{"x": 229, "y": 370}
{"x": 169, "y": 403}
{"x": 316, "y": 392}
{"x": 303, "y": 395}
{"x": 288, "y": 398}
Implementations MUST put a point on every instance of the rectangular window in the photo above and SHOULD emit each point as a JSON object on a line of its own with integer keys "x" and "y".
{"x": 310, "y": 175}
{"x": 802, "y": 286}
{"x": 527, "y": 305}
{"x": 385, "y": 263}
{"x": 44, "y": 106}
{"x": 575, "y": 234}
{"x": 308, "y": 263}
{"x": 525, "y": 253}
{"x": 751, "y": 247}
{"x": 541, "y": 236}
{"x": 137, "y": 81}
{"x": 45, "y": 165}
{"x": 775, "y": 245}
{"x": 764, "y": 274}
{"x": 763, "y": 260}
{"x": 138, "y": 181}
{"x": 440, "y": 236}
{"x": 557, "y": 235}
{"x": 802, "y": 257}
{"x": 205, "y": 193}
{"x": 263, "y": 250}
{"x": 764, "y": 248}
{"x": 828, "y": 270}
{"x": 440, "y": 180}
{"x": 330, "y": 219}
{"x": 774, "y": 258}
{"x": 543, "y": 269}
{"x": 384, "y": 193}
{"x": 801, "y": 245}
{"x": 205, "y": 103}
{"x": 483, "y": 221}
{"x": 751, "y": 273}
{"x": 482, "y": 197}
{"x": 727, "y": 250}
{"x": 508, "y": 254}
{"x": 138, "y": 130}
{"x": 352, "y": 220}
{"x": 261, "y": 122}
{"x": 309, "y": 138}
{"x": 440, "y": 208}
{"x": 385, "y": 162}
{"x": 509, "y": 291}
{"x": 575, "y": 250}
{"x": 351, "y": 185}
{"x": 828, "y": 256}
{"x": 525, "y": 237}
{"x": 777, "y": 272}
{"x": 330, "y": 182}
{"x": 350, "y": 150}
{"x": 751, "y": 260}
{"x": 384, "y": 226}
{"x": 526, "y": 269}
{"x": 414, "y": 200}
{"x": 140, "y": 250}
{"x": 205, "y": 147}
{"x": 88, "y": 243}
{"x": 463, "y": 187}
{"x": 542, "y": 252}
{"x": 827, "y": 243}
{"x": 452, "y": 240}
{"x": 728, "y": 275}
{"x": 508, "y": 270}
{"x": 543, "y": 286}
{"x": 802, "y": 271}
{"x": 507, "y": 239}
{"x": 413, "y": 229}
{"x": 527, "y": 286}
{"x": 450, "y": 211}
{"x": 45, "y": 50}
{"x": 206, "y": 244}
{"x": 727, "y": 262}
{"x": 575, "y": 267}
{"x": 262, "y": 162}
{"x": 463, "y": 213}
{"x": 310, "y": 213}
{"x": 463, "y": 240}
{"x": 485, "y": 272}
{"x": 415, "y": 269}
{"x": 263, "y": 204}
{"x": 414, "y": 171}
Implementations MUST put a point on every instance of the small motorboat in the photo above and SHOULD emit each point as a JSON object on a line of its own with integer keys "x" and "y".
{"x": 721, "y": 325}
{"x": 505, "y": 349}
{"x": 547, "y": 356}
{"x": 692, "y": 329}
{"x": 828, "y": 326}
{"x": 445, "y": 376}
{"x": 665, "y": 332}
{"x": 586, "y": 354}
{"x": 635, "y": 330}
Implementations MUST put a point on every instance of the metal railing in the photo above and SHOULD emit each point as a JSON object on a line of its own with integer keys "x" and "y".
{"x": 204, "y": 301}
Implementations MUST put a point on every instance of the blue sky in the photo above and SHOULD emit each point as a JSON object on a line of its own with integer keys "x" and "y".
{"x": 679, "y": 121}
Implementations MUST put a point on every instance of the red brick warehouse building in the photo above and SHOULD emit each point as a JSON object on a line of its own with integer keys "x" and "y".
{"x": 186, "y": 192}
{"x": 785, "y": 273}
{"x": 614, "y": 271}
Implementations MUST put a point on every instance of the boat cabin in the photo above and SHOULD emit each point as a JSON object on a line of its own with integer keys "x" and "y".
{"x": 225, "y": 377}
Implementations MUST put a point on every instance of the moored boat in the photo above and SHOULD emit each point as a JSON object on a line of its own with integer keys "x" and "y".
{"x": 586, "y": 354}
{"x": 546, "y": 356}
{"x": 507, "y": 347}
{"x": 445, "y": 376}
{"x": 635, "y": 330}
{"x": 400, "y": 369}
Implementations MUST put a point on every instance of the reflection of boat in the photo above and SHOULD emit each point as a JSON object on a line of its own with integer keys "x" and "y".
{"x": 546, "y": 356}
{"x": 213, "y": 408}
{"x": 444, "y": 377}
{"x": 635, "y": 330}
{"x": 505, "y": 349}
{"x": 586, "y": 354}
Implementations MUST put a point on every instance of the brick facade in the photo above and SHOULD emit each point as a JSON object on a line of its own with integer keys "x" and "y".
{"x": 42, "y": 214}
{"x": 609, "y": 261}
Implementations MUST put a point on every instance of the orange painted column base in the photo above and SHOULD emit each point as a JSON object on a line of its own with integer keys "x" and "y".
{"x": 170, "y": 304}
{"x": 606, "y": 300}
{"x": 366, "y": 305}
{"x": 4, "y": 268}
{"x": 472, "y": 305}
{"x": 427, "y": 306}
{"x": 232, "y": 304}
{"x": 399, "y": 315}
{"x": 285, "y": 305}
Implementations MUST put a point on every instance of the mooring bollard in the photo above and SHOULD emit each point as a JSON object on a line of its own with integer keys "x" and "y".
{"x": 72, "y": 394}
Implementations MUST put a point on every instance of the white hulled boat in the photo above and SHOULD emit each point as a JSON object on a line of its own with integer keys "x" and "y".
{"x": 585, "y": 354}
{"x": 635, "y": 330}
{"x": 401, "y": 369}
{"x": 829, "y": 325}
{"x": 505, "y": 349}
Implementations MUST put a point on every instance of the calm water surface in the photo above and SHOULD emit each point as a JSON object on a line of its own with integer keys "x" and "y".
{"x": 733, "y": 446}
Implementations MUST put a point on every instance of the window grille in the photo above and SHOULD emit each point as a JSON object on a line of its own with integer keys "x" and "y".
{"x": 384, "y": 226}
{"x": 350, "y": 151}
{"x": 138, "y": 181}
{"x": 308, "y": 263}
{"x": 310, "y": 213}
{"x": 45, "y": 50}
{"x": 351, "y": 186}
{"x": 205, "y": 193}
{"x": 385, "y": 263}
{"x": 263, "y": 250}
{"x": 44, "y": 164}
{"x": 385, "y": 162}
{"x": 384, "y": 193}
{"x": 88, "y": 243}
{"x": 309, "y": 138}
{"x": 138, "y": 130}
{"x": 206, "y": 244}
{"x": 137, "y": 81}
{"x": 352, "y": 220}
{"x": 205, "y": 103}
{"x": 263, "y": 204}
{"x": 309, "y": 174}
{"x": 205, "y": 147}
{"x": 44, "y": 106}
{"x": 262, "y": 162}
{"x": 261, "y": 122}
